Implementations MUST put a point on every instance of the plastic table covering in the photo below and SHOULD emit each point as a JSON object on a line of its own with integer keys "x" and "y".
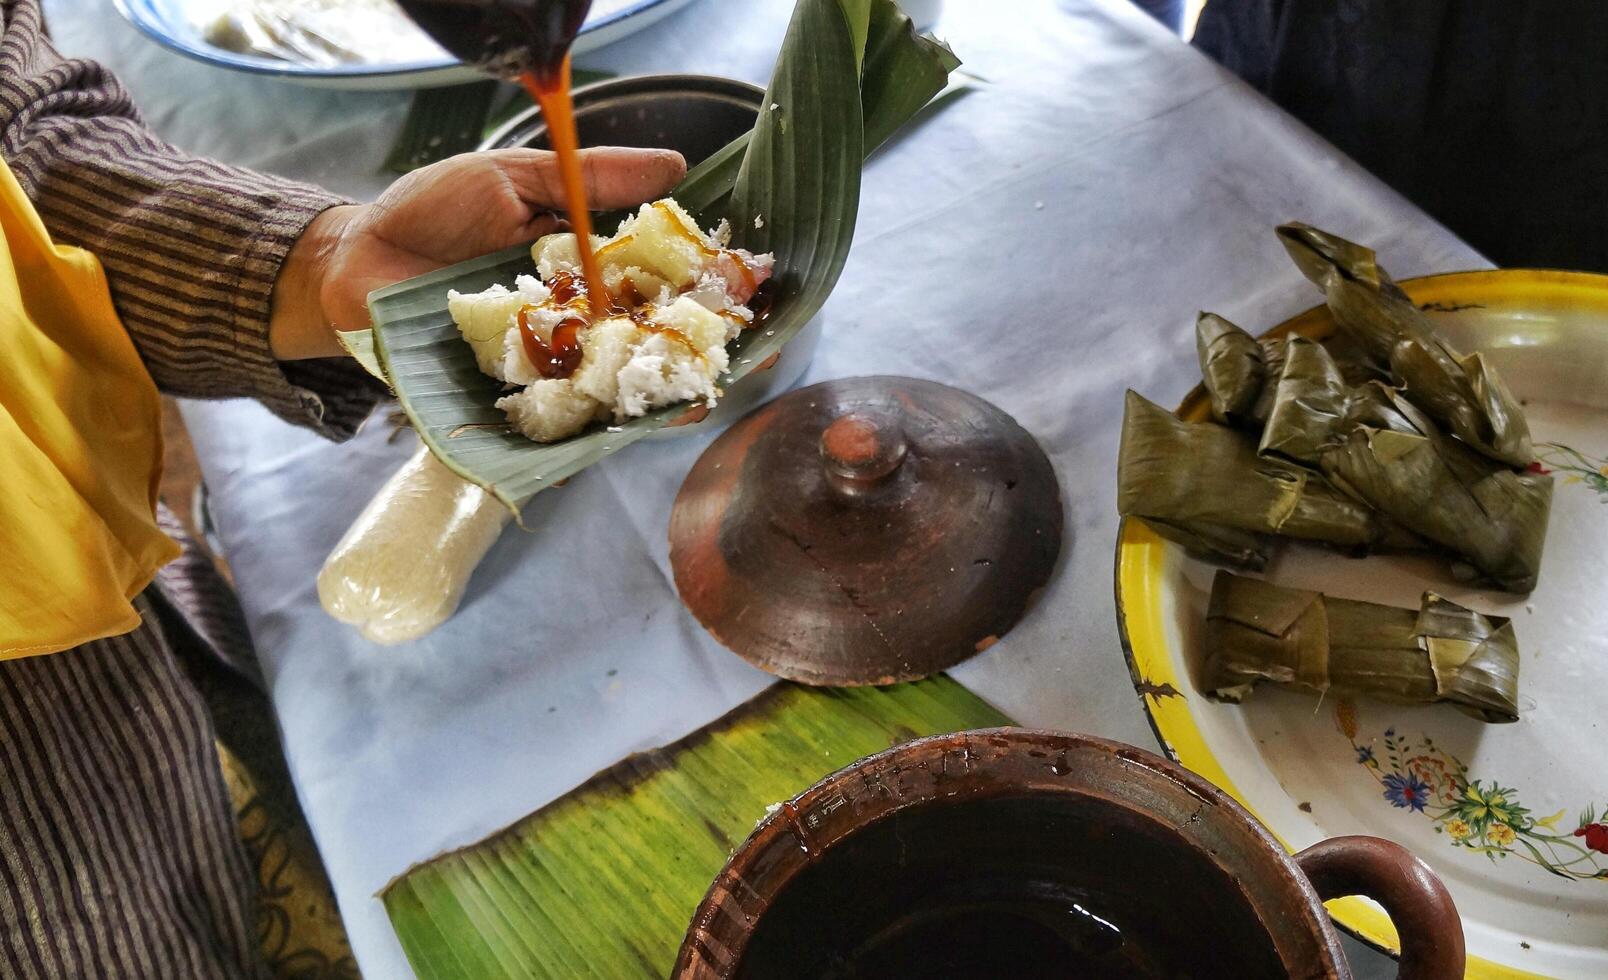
{"x": 1044, "y": 241}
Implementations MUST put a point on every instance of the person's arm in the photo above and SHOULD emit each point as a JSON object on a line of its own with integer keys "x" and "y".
{"x": 191, "y": 248}
{"x": 232, "y": 282}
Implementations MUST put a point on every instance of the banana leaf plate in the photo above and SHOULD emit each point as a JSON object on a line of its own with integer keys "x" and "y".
{"x": 1514, "y": 818}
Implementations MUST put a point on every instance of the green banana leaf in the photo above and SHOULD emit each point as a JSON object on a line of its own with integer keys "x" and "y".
{"x": 359, "y": 345}
{"x": 849, "y": 73}
{"x": 1257, "y": 632}
{"x": 1463, "y": 393}
{"x": 1405, "y": 467}
{"x": 1203, "y": 485}
{"x": 904, "y": 72}
{"x": 603, "y": 882}
{"x": 441, "y": 122}
{"x": 457, "y": 118}
{"x": 1310, "y": 404}
{"x": 1233, "y": 368}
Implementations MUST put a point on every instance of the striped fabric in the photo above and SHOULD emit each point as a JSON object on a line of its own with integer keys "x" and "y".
{"x": 191, "y": 247}
{"x": 203, "y": 602}
{"x": 118, "y": 852}
{"x": 299, "y": 933}
{"x": 119, "y": 856}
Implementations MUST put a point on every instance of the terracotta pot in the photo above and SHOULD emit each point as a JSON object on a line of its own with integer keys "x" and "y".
{"x": 1016, "y": 853}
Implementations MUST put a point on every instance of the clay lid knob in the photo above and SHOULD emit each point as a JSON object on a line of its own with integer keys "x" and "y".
{"x": 861, "y": 449}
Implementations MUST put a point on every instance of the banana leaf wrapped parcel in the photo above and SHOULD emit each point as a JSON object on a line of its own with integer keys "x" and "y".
{"x": 1257, "y": 632}
{"x": 1378, "y": 437}
{"x": 1236, "y": 369}
{"x": 1462, "y": 393}
{"x": 1310, "y": 404}
{"x": 1439, "y": 488}
{"x": 1314, "y": 406}
{"x": 1203, "y": 485}
{"x": 1377, "y": 446}
{"x": 1241, "y": 373}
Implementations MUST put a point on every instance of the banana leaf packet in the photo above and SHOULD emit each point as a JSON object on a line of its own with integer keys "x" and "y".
{"x": 1237, "y": 370}
{"x": 1241, "y": 373}
{"x": 1204, "y": 486}
{"x": 1257, "y": 633}
{"x": 1378, "y": 447}
{"x": 1442, "y": 490}
{"x": 1462, "y": 393}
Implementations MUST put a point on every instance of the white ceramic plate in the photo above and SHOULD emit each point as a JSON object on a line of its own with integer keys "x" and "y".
{"x": 1512, "y": 817}
{"x": 176, "y": 24}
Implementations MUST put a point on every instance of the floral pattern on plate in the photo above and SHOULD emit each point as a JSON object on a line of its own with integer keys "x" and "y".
{"x": 1574, "y": 465}
{"x": 1478, "y": 815}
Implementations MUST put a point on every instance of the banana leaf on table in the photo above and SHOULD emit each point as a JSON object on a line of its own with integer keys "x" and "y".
{"x": 1463, "y": 393}
{"x": 1257, "y": 632}
{"x": 850, "y": 72}
{"x": 603, "y": 882}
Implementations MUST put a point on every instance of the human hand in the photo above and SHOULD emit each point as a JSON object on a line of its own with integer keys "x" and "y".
{"x": 454, "y": 210}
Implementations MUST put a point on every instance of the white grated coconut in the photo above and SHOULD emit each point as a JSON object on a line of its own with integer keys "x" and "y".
{"x": 694, "y": 289}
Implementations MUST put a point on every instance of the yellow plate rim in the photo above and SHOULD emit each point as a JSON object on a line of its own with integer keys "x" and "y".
{"x": 1139, "y": 552}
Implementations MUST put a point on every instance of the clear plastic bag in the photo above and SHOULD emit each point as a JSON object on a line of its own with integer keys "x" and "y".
{"x": 402, "y": 568}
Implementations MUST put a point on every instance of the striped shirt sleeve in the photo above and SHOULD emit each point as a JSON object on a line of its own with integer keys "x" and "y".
{"x": 191, "y": 247}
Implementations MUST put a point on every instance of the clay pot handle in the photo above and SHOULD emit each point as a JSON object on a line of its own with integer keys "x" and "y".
{"x": 1418, "y": 904}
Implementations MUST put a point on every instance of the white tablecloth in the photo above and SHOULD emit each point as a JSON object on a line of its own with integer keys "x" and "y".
{"x": 1044, "y": 241}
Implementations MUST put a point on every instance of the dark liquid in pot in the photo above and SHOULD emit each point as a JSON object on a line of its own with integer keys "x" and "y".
{"x": 1023, "y": 940}
{"x": 1007, "y": 887}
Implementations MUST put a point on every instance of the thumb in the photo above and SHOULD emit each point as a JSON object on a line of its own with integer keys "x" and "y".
{"x": 614, "y": 176}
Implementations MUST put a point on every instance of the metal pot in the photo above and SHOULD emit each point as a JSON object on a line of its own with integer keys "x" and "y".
{"x": 694, "y": 115}
{"x": 1009, "y": 852}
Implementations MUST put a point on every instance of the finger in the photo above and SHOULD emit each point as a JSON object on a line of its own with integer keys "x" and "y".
{"x": 542, "y": 224}
{"x": 619, "y": 176}
{"x": 614, "y": 176}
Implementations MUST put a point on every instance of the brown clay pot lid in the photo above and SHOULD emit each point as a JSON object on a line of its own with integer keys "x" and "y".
{"x": 866, "y": 531}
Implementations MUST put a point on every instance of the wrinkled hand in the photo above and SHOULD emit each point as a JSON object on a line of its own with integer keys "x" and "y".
{"x": 454, "y": 210}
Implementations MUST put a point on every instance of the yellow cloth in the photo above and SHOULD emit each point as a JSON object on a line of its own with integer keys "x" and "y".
{"x": 81, "y": 445}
